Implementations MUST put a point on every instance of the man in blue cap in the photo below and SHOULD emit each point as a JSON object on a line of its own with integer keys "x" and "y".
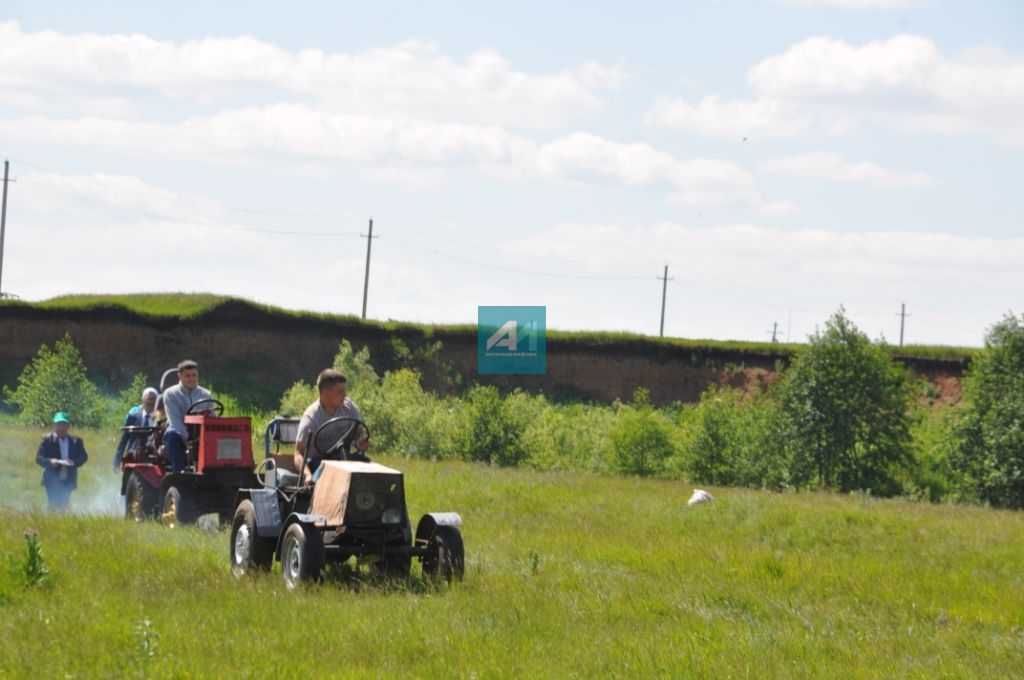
{"x": 60, "y": 455}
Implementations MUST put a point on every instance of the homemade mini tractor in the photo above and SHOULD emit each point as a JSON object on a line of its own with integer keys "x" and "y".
{"x": 353, "y": 509}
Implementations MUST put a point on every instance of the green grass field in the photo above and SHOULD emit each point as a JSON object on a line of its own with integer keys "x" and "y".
{"x": 567, "y": 575}
{"x": 191, "y": 305}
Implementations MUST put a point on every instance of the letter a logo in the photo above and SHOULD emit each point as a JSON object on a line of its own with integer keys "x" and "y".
{"x": 504, "y": 337}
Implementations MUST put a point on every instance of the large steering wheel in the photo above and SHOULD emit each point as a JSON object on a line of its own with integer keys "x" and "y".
{"x": 215, "y": 406}
{"x": 334, "y": 438}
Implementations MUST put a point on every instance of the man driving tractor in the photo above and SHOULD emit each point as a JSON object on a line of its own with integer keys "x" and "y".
{"x": 333, "y": 403}
{"x": 177, "y": 400}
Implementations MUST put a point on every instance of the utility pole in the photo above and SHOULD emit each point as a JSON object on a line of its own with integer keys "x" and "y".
{"x": 3, "y": 226}
{"x": 903, "y": 318}
{"x": 366, "y": 281}
{"x": 775, "y": 330}
{"x": 664, "y": 289}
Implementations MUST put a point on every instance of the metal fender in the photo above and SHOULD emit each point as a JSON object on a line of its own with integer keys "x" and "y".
{"x": 429, "y": 523}
{"x": 268, "y": 511}
{"x": 308, "y": 521}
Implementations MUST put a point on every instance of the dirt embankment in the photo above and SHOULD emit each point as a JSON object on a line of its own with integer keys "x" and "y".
{"x": 260, "y": 353}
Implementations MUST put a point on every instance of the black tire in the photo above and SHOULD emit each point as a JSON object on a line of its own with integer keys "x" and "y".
{"x": 178, "y": 508}
{"x": 302, "y": 556}
{"x": 393, "y": 568}
{"x": 139, "y": 499}
{"x": 249, "y": 552}
{"x": 445, "y": 558}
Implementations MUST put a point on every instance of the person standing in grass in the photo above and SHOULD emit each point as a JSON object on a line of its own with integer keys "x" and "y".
{"x": 140, "y": 415}
{"x": 60, "y": 455}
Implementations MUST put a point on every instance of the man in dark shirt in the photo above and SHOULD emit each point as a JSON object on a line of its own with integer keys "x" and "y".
{"x": 60, "y": 455}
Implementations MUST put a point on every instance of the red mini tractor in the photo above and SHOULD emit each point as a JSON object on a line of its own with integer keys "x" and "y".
{"x": 219, "y": 463}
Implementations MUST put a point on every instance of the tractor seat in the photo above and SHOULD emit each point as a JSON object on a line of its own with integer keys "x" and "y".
{"x": 280, "y": 471}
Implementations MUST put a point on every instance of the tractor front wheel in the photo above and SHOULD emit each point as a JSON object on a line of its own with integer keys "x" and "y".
{"x": 445, "y": 556}
{"x": 302, "y": 555}
{"x": 250, "y": 552}
{"x": 179, "y": 507}
{"x": 139, "y": 499}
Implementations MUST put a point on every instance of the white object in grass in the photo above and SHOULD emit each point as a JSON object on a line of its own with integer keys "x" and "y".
{"x": 700, "y": 496}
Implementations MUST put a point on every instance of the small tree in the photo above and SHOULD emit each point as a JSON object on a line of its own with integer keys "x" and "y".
{"x": 988, "y": 440}
{"x": 641, "y": 440}
{"x": 844, "y": 406}
{"x": 55, "y": 380}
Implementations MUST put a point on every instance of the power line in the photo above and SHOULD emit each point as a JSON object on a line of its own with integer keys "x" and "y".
{"x": 208, "y": 204}
{"x": 150, "y": 214}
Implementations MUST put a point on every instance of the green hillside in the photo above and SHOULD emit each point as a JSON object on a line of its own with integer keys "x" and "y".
{"x": 568, "y": 575}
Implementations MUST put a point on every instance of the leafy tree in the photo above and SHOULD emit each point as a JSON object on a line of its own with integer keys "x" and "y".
{"x": 844, "y": 404}
{"x": 641, "y": 439}
{"x": 988, "y": 440}
{"x": 55, "y": 380}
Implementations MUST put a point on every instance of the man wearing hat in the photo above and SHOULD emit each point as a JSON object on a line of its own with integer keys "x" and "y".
{"x": 140, "y": 415}
{"x": 60, "y": 455}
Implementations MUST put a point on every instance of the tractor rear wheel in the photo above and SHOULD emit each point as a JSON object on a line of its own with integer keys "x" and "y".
{"x": 179, "y": 507}
{"x": 302, "y": 555}
{"x": 139, "y": 499}
{"x": 445, "y": 557}
{"x": 250, "y": 552}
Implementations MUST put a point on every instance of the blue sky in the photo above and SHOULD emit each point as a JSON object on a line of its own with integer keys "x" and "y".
{"x": 782, "y": 157}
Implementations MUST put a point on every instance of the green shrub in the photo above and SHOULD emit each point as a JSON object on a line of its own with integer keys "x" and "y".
{"x": 56, "y": 380}
{"x": 361, "y": 377}
{"x": 488, "y": 429}
{"x": 297, "y": 399}
{"x": 569, "y": 437}
{"x": 131, "y": 395}
{"x": 733, "y": 439}
{"x": 641, "y": 438}
{"x": 844, "y": 406}
{"x": 988, "y": 440}
{"x": 402, "y": 417}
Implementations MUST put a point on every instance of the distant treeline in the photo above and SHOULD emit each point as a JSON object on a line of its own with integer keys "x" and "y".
{"x": 844, "y": 416}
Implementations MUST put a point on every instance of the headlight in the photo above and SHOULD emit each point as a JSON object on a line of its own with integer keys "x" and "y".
{"x": 365, "y": 500}
{"x": 391, "y": 516}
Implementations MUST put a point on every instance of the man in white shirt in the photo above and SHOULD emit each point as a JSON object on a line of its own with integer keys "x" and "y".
{"x": 333, "y": 403}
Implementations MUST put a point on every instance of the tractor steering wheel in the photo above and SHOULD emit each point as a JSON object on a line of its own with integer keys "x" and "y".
{"x": 217, "y": 408}
{"x": 334, "y": 438}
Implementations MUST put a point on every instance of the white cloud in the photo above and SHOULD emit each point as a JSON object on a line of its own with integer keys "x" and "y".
{"x": 413, "y": 77}
{"x": 412, "y": 151}
{"x": 833, "y": 167}
{"x": 829, "y": 86}
{"x": 714, "y": 117}
{"x": 588, "y": 158}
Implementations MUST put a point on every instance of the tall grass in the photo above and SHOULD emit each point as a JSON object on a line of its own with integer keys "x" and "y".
{"x": 569, "y": 575}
